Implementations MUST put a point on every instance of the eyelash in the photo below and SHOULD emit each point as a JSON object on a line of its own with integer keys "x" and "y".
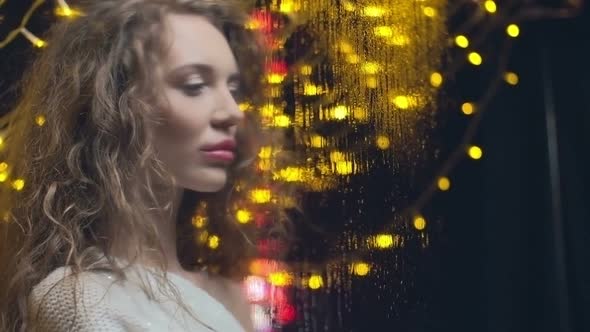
{"x": 193, "y": 90}
{"x": 237, "y": 92}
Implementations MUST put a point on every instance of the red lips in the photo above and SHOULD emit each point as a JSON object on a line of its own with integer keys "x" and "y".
{"x": 228, "y": 145}
{"x": 223, "y": 151}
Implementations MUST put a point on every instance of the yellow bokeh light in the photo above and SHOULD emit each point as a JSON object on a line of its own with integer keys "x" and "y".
{"x": 18, "y": 184}
{"x": 1, "y": 141}
{"x": 336, "y": 156}
{"x": 265, "y": 152}
{"x": 199, "y": 221}
{"x": 490, "y": 6}
{"x": 292, "y": 174}
{"x": 274, "y": 78}
{"x": 344, "y": 167}
{"x": 282, "y": 121}
{"x": 429, "y": 11}
{"x": 361, "y": 268}
{"x": 436, "y": 79}
{"x": 280, "y": 278}
{"x": 374, "y": 11}
{"x": 360, "y": 114}
{"x": 3, "y": 176}
{"x": 340, "y": 112}
{"x": 475, "y": 58}
{"x": 243, "y": 216}
{"x": 40, "y": 120}
{"x": 268, "y": 110}
{"x": 345, "y": 47}
{"x": 288, "y": 6}
{"x": 310, "y": 89}
{"x": 36, "y": 41}
{"x": 213, "y": 242}
{"x": 260, "y": 196}
{"x": 315, "y": 281}
{"x": 402, "y": 102}
{"x": 383, "y": 31}
{"x": 3, "y": 167}
{"x": 253, "y": 24}
{"x": 244, "y": 107}
{"x": 444, "y": 183}
{"x": 371, "y": 68}
{"x": 317, "y": 141}
{"x": 348, "y": 6}
{"x": 462, "y": 41}
{"x": 468, "y": 108}
{"x": 419, "y": 222}
{"x": 64, "y": 10}
{"x": 398, "y": 40}
{"x": 383, "y": 142}
{"x": 475, "y": 152}
{"x": 305, "y": 70}
{"x": 405, "y": 102}
{"x": 383, "y": 241}
{"x": 371, "y": 82}
{"x": 353, "y": 59}
{"x": 511, "y": 78}
{"x": 39, "y": 43}
{"x": 513, "y": 30}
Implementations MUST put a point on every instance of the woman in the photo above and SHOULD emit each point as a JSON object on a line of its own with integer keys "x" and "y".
{"x": 128, "y": 119}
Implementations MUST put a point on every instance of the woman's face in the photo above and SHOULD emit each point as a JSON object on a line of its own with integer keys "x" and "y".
{"x": 196, "y": 141}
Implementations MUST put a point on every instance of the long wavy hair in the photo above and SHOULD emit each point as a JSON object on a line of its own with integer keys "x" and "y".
{"x": 78, "y": 156}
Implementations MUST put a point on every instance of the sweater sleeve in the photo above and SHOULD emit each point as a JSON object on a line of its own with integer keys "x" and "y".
{"x": 62, "y": 302}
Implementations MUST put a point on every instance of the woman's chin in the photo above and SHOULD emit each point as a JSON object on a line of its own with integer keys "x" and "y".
{"x": 209, "y": 181}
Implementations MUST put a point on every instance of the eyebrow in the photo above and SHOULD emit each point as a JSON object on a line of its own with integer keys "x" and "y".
{"x": 203, "y": 69}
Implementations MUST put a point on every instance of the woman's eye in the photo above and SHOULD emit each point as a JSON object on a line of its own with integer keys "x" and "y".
{"x": 236, "y": 92}
{"x": 193, "y": 89}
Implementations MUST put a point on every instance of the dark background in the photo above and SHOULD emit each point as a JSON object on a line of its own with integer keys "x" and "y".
{"x": 511, "y": 251}
{"x": 515, "y": 248}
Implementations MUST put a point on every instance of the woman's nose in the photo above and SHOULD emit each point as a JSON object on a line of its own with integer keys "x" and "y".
{"x": 228, "y": 111}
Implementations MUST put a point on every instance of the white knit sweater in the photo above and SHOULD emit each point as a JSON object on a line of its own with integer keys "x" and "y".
{"x": 95, "y": 302}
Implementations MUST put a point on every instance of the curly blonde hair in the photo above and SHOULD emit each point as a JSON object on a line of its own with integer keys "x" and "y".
{"x": 91, "y": 163}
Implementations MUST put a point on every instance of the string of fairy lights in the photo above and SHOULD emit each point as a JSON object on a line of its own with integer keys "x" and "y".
{"x": 464, "y": 39}
{"x": 474, "y": 109}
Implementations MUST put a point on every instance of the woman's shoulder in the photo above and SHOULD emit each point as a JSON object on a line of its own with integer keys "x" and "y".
{"x": 85, "y": 301}
{"x": 100, "y": 301}
{"x": 62, "y": 281}
{"x": 63, "y": 287}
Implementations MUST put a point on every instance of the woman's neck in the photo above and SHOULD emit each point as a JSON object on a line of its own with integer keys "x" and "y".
{"x": 164, "y": 222}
